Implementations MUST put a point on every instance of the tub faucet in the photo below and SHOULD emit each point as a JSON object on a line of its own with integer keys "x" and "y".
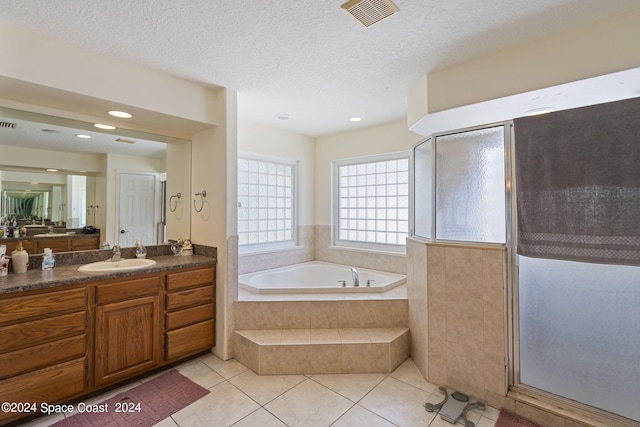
{"x": 115, "y": 253}
{"x": 355, "y": 277}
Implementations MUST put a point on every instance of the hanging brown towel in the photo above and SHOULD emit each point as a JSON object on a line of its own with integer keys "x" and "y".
{"x": 578, "y": 184}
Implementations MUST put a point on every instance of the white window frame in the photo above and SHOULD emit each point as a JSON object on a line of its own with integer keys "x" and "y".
{"x": 272, "y": 245}
{"x": 362, "y": 245}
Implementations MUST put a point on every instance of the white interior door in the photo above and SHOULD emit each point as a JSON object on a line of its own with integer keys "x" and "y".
{"x": 136, "y": 208}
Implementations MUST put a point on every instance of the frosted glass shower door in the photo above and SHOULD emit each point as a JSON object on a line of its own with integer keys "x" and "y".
{"x": 580, "y": 332}
{"x": 470, "y": 186}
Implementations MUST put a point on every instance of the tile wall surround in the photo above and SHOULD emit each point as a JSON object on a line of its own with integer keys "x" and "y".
{"x": 466, "y": 319}
{"x": 258, "y": 315}
{"x": 336, "y": 336}
{"x": 231, "y": 296}
{"x": 418, "y": 303}
{"x": 316, "y": 241}
{"x": 324, "y": 252}
{"x": 264, "y": 261}
{"x": 457, "y": 319}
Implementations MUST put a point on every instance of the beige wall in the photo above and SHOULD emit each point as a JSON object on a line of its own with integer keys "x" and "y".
{"x": 263, "y": 139}
{"x": 45, "y": 76}
{"x": 592, "y": 50}
{"x": 54, "y": 66}
{"x": 178, "y": 170}
{"x": 381, "y": 139}
{"x": 270, "y": 141}
{"x": 214, "y": 169}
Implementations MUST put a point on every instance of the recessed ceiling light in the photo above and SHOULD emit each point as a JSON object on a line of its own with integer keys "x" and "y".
{"x": 120, "y": 114}
{"x": 101, "y": 126}
{"x": 83, "y": 136}
{"x": 283, "y": 116}
{"x": 52, "y": 170}
{"x": 50, "y": 130}
{"x": 355, "y": 119}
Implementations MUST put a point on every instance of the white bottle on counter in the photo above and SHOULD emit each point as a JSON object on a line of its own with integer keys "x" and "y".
{"x": 20, "y": 259}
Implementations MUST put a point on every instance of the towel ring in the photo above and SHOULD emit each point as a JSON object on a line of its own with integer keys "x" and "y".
{"x": 177, "y": 196}
{"x": 202, "y": 195}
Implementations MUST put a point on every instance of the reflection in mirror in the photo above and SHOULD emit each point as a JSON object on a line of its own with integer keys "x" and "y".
{"x": 47, "y": 172}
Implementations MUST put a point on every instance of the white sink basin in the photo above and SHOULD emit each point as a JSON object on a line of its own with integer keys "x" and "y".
{"x": 53, "y": 234}
{"x": 122, "y": 265}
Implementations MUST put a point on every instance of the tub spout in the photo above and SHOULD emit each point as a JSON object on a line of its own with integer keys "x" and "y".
{"x": 355, "y": 277}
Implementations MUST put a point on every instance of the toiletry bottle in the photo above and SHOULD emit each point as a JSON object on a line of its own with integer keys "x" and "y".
{"x": 141, "y": 251}
{"x": 48, "y": 259}
{"x": 4, "y": 263}
{"x": 20, "y": 259}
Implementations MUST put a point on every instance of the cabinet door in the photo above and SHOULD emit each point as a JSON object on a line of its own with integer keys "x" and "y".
{"x": 127, "y": 339}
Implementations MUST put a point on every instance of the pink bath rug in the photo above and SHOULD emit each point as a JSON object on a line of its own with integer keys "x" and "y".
{"x": 141, "y": 406}
{"x": 508, "y": 419}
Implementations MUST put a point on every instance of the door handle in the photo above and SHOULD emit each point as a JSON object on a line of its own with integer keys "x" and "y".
{"x": 123, "y": 231}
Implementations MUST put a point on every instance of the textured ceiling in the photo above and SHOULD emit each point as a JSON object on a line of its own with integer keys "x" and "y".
{"x": 307, "y": 58}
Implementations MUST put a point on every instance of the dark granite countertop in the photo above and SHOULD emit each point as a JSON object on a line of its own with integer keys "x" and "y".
{"x": 69, "y": 274}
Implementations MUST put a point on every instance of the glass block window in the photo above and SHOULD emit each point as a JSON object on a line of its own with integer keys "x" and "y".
{"x": 470, "y": 198}
{"x": 266, "y": 202}
{"x": 372, "y": 202}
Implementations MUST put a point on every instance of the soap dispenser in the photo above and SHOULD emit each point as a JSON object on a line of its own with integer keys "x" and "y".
{"x": 141, "y": 251}
{"x": 48, "y": 259}
{"x": 19, "y": 259}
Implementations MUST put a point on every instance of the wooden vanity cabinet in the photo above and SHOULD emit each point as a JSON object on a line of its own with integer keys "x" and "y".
{"x": 56, "y": 245}
{"x": 190, "y": 312}
{"x": 43, "y": 348}
{"x": 36, "y": 246}
{"x": 58, "y": 345}
{"x": 87, "y": 243}
{"x": 127, "y": 328}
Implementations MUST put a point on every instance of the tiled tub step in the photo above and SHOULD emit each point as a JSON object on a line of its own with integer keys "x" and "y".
{"x": 321, "y": 351}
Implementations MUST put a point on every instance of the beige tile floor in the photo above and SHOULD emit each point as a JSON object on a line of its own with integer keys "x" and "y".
{"x": 240, "y": 398}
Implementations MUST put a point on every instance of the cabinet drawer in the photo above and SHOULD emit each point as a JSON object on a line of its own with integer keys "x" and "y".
{"x": 41, "y": 356}
{"x": 188, "y": 279}
{"x": 181, "y": 318}
{"x": 51, "y": 385}
{"x": 41, "y": 331}
{"x": 129, "y": 289}
{"x": 56, "y": 245}
{"x": 85, "y": 243}
{"x": 190, "y": 297}
{"x": 15, "y": 309}
{"x": 190, "y": 340}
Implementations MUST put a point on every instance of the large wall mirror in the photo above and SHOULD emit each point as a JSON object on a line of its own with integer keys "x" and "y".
{"x": 128, "y": 184}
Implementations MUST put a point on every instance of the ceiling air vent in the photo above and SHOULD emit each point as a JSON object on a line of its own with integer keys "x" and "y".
{"x": 368, "y": 12}
{"x": 7, "y": 125}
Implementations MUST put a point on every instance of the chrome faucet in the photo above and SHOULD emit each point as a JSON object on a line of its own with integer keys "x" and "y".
{"x": 115, "y": 253}
{"x": 355, "y": 277}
